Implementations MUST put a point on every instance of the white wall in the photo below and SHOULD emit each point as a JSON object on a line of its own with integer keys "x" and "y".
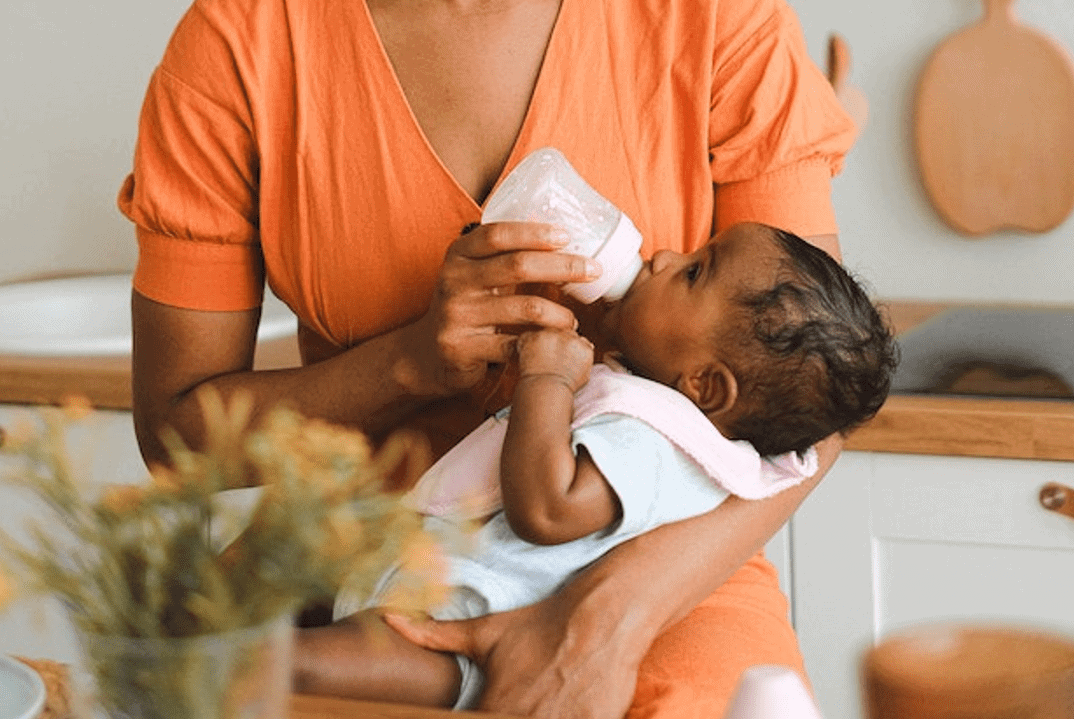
{"x": 889, "y": 231}
{"x": 72, "y": 76}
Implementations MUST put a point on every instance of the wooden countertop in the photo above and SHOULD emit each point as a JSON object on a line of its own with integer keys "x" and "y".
{"x": 964, "y": 426}
{"x": 970, "y": 427}
{"x": 105, "y": 381}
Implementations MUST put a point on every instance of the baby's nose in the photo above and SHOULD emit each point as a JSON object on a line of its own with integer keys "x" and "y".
{"x": 662, "y": 258}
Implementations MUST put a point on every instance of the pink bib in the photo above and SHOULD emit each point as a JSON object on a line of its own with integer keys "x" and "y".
{"x": 465, "y": 482}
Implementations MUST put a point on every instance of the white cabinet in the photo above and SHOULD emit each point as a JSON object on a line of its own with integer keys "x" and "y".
{"x": 887, "y": 541}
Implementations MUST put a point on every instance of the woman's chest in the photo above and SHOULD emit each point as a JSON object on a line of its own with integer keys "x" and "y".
{"x": 393, "y": 155}
{"x": 468, "y": 78}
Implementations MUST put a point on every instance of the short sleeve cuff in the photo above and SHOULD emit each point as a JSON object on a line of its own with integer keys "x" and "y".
{"x": 628, "y": 453}
{"x": 198, "y": 275}
{"x": 797, "y": 198}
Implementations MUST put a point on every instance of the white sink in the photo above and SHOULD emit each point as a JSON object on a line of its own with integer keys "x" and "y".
{"x": 90, "y": 316}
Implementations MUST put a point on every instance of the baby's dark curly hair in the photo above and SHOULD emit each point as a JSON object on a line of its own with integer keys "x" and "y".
{"x": 818, "y": 358}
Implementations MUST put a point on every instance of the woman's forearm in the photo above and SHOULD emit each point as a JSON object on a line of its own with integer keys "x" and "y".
{"x": 645, "y": 592}
{"x": 357, "y": 388}
{"x": 366, "y": 386}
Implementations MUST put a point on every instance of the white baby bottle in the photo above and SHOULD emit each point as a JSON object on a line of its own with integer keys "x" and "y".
{"x": 545, "y": 188}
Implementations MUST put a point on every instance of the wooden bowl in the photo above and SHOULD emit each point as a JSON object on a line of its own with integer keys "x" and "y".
{"x": 970, "y": 672}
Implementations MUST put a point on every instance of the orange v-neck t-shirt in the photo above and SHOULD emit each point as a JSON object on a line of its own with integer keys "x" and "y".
{"x": 275, "y": 144}
{"x": 275, "y": 141}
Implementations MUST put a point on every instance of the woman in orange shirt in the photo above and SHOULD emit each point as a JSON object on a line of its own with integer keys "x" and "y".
{"x": 336, "y": 150}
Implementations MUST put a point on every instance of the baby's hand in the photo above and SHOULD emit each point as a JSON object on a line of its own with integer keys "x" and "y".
{"x": 559, "y": 353}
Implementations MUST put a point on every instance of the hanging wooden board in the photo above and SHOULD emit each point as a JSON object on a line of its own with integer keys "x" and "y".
{"x": 994, "y": 127}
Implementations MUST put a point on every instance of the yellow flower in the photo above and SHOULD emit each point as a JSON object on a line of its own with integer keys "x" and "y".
{"x": 345, "y": 533}
{"x": 403, "y": 458}
{"x": 77, "y": 407}
{"x": 7, "y": 593}
{"x": 324, "y": 496}
{"x": 424, "y": 556}
{"x": 165, "y": 480}
{"x": 419, "y": 582}
{"x": 122, "y": 498}
{"x": 19, "y": 437}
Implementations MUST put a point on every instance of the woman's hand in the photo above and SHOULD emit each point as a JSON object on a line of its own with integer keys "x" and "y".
{"x": 539, "y": 664}
{"x": 449, "y": 349}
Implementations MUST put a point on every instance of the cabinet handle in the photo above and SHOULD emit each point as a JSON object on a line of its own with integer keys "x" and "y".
{"x": 1057, "y": 498}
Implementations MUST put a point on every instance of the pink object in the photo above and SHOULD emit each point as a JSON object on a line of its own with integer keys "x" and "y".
{"x": 465, "y": 482}
{"x": 771, "y": 691}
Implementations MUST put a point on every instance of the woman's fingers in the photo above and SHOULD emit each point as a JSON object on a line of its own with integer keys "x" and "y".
{"x": 428, "y": 633}
{"x": 534, "y": 664}
{"x": 471, "y": 351}
{"x": 470, "y": 324}
{"x": 512, "y": 253}
{"x": 517, "y": 268}
{"x": 527, "y": 310}
{"x": 459, "y": 637}
{"x": 500, "y": 237}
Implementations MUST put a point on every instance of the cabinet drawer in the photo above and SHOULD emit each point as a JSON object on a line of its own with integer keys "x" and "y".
{"x": 981, "y": 501}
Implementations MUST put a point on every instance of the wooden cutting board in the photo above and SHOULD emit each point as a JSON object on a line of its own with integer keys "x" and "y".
{"x": 994, "y": 127}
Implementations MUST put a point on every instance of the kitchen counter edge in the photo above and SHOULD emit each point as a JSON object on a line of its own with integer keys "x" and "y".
{"x": 941, "y": 425}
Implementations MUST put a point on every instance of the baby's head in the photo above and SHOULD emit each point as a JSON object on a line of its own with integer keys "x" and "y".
{"x": 766, "y": 333}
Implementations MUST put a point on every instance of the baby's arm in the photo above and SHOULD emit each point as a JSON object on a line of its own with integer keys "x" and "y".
{"x": 549, "y": 495}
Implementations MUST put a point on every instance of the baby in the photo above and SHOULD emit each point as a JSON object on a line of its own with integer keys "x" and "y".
{"x": 733, "y": 361}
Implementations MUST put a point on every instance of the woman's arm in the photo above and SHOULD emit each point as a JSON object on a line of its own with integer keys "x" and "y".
{"x": 706, "y": 555}
{"x": 373, "y": 385}
{"x": 178, "y": 352}
{"x": 549, "y": 495}
{"x": 576, "y": 654}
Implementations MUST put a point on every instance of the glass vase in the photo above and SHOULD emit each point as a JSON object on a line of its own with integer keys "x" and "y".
{"x": 240, "y": 674}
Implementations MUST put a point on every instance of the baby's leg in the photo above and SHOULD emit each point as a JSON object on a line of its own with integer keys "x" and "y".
{"x": 361, "y": 657}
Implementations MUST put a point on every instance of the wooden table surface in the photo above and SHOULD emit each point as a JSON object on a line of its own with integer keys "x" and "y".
{"x": 313, "y": 707}
{"x": 58, "y": 685}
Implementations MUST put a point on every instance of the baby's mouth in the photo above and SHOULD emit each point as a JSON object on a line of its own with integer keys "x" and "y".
{"x": 645, "y": 273}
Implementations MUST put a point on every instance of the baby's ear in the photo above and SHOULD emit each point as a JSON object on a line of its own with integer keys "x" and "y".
{"x": 712, "y": 387}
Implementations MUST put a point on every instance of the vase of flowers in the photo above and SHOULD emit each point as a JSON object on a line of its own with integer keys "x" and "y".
{"x": 239, "y": 673}
{"x": 183, "y": 604}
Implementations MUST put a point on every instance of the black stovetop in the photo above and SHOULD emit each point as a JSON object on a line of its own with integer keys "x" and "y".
{"x": 1024, "y": 351}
